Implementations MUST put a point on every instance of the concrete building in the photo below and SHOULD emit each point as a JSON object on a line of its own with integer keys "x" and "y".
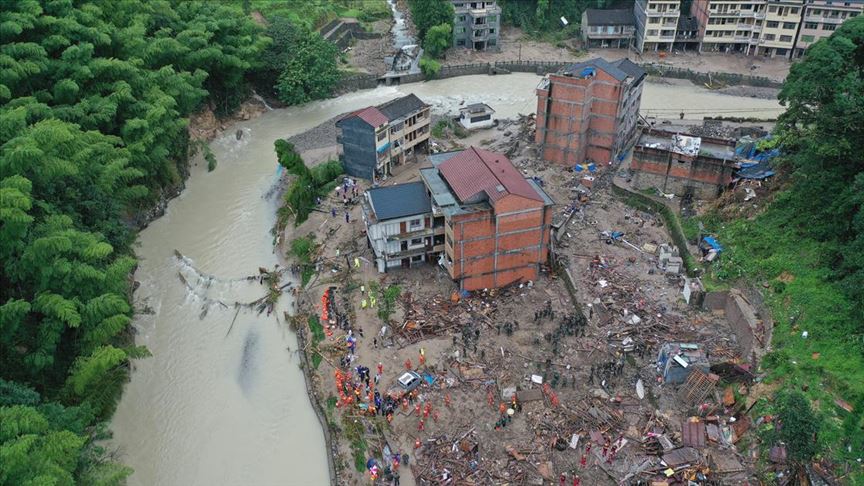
{"x": 608, "y": 28}
{"x": 477, "y": 24}
{"x": 782, "y": 18}
{"x": 496, "y": 222}
{"x": 681, "y": 164}
{"x": 656, "y": 23}
{"x": 588, "y": 111}
{"x": 399, "y": 226}
{"x": 687, "y": 34}
{"x": 376, "y": 139}
{"x": 821, "y": 18}
{"x": 751, "y": 27}
{"x": 477, "y": 115}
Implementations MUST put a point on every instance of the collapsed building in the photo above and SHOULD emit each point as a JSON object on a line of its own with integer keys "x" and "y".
{"x": 587, "y": 112}
{"x": 682, "y": 164}
{"x": 374, "y": 140}
{"x": 495, "y": 224}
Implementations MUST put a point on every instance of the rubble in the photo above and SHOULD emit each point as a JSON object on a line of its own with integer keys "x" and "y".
{"x": 540, "y": 380}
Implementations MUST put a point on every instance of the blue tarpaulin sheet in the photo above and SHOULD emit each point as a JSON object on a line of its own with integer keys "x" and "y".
{"x": 588, "y": 71}
{"x": 383, "y": 147}
{"x": 713, "y": 243}
{"x": 592, "y": 167}
{"x": 761, "y": 170}
{"x": 429, "y": 378}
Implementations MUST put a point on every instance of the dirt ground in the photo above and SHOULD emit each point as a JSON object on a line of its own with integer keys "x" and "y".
{"x": 514, "y": 45}
{"x": 367, "y": 55}
{"x": 586, "y": 419}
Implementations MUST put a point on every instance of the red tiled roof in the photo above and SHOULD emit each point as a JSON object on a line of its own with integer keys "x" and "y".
{"x": 370, "y": 115}
{"x": 475, "y": 170}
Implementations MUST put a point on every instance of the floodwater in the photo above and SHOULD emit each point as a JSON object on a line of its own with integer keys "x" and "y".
{"x": 213, "y": 407}
{"x": 401, "y": 36}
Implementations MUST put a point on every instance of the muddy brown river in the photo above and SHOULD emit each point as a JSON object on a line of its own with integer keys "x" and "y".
{"x": 212, "y": 407}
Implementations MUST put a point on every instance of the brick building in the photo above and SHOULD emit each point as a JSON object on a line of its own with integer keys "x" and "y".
{"x": 588, "y": 111}
{"x": 681, "y": 164}
{"x": 496, "y": 222}
{"x": 377, "y": 138}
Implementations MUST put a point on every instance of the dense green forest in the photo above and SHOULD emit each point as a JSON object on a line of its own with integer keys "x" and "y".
{"x": 93, "y": 131}
{"x": 807, "y": 247}
{"x": 542, "y": 17}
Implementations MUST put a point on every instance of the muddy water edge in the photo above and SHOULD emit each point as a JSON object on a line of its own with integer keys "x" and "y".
{"x": 214, "y": 406}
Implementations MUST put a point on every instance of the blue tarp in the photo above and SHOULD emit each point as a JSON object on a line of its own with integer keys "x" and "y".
{"x": 758, "y": 171}
{"x": 588, "y": 71}
{"x": 592, "y": 167}
{"x": 383, "y": 147}
{"x": 429, "y": 378}
{"x": 713, "y": 243}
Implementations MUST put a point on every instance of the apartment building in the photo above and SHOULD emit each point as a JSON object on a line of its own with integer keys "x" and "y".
{"x": 477, "y": 24}
{"x": 821, "y": 18}
{"x": 751, "y": 27}
{"x": 656, "y": 24}
{"x": 400, "y": 228}
{"x": 587, "y": 112}
{"x": 608, "y": 28}
{"x": 497, "y": 223}
{"x": 376, "y": 139}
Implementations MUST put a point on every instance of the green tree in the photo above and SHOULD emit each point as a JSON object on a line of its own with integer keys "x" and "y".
{"x": 311, "y": 72}
{"x": 429, "y": 13}
{"x": 438, "y": 39}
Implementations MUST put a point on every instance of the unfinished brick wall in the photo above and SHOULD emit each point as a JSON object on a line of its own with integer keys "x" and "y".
{"x": 705, "y": 177}
{"x": 501, "y": 245}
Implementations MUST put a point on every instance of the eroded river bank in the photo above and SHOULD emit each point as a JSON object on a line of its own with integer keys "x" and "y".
{"x": 213, "y": 407}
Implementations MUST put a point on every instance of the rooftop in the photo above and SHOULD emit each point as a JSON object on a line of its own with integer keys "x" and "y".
{"x": 620, "y": 69}
{"x": 597, "y": 16}
{"x": 370, "y": 115}
{"x": 401, "y": 107}
{"x": 686, "y": 144}
{"x": 474, "y": 171}
{"x": 399, "y": 201}
{"x": 477, "y": 108}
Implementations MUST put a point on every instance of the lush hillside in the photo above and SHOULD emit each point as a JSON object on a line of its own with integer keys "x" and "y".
{"x": 542, "y": 17}
{"x": 93, "y": 128}
{"x": 807, "y": 247}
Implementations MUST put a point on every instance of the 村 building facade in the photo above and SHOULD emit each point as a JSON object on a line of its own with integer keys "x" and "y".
{"x": 477, "y": 24}
{"x": 821, "y": 18}
{"x": 376, "y": 139}
{"x": 656, "y": 24}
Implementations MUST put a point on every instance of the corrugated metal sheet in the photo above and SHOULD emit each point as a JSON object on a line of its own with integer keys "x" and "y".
{"x": 370, "y": 115}
{"x": 476, "y": 170}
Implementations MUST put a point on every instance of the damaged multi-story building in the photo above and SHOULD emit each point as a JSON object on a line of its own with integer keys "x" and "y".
{"x": 477, "y": 24}
{"x": 682, "y": 164}
{"x": 374, "y": 140}
{"x": 475, "y": 214}
{"x": 587, "y": 112}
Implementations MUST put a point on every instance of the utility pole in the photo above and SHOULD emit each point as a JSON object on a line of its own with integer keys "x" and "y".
{"x": 520, "y": 51}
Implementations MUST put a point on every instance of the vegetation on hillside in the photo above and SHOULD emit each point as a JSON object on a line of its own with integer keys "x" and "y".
{"x": 309, "y": 184}
{"x": 808, "y": 245}
{"x": 313, "y": 14}
{"x": 93, "y": 130}
{"x": 542, "y": 17}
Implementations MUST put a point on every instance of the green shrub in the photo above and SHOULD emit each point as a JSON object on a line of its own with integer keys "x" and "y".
{"x": 430, "y": 67}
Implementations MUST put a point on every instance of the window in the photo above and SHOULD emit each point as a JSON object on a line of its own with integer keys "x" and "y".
{"x": 772, "y": 25}
{"x": 417, "y": 258}
{"x": 491, "y": 31}
{"x": 772, "y": 9}
{"x": 816, "y": 11}
{"x": 807, "y": 38}
{"x": 460, "y": 30}
{"x": 811, "y": 25}
{"x": 793, "y": 11}
{"x": 382, "y": 135}
{"x": 769, "y": 37}
{"x": 788, "y": 25}
{"x": 415, "y": 224}
{"x": 461, "y": 18}
{"x": 829, "y": 27}
{"x": 785, "y": 38}
{"x": 654, "y": 20}
{"x": 652, "y": 32}
{"x": 416, "y": 241}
